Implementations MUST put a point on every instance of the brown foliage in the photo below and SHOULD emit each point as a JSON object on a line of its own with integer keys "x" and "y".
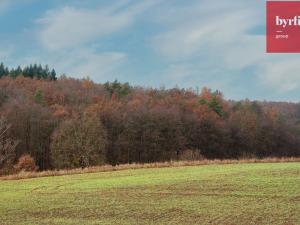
{"x": 190, "y": 155}
{"x": 26, "y": 163}
{"x": 141, "y": 125}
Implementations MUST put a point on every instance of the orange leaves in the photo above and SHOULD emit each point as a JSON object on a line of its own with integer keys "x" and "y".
{"x": 60, "y": 111}
{"x": 26, "y": 163}
{"x": 87, "y": 84}
{"x": 143, "y": 124}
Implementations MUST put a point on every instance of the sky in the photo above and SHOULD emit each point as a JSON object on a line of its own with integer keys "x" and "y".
{"x": 152, "y": 43}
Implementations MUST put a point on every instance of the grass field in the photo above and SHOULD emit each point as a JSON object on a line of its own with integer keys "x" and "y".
{"x": 262, "y": 193}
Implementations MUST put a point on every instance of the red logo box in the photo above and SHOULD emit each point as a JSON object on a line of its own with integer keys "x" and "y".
{"x": 283, "y": 26}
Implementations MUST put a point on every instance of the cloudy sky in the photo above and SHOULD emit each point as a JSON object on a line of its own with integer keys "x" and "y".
{"x": 195, "y": 43}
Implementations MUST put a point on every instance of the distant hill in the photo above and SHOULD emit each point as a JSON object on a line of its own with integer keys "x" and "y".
{"x": 70, "y": 123}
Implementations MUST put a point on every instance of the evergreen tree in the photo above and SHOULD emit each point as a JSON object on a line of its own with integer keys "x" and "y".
{"x": 32, "y": 71}
{"x": 3, "y": 70}
{"x": 53, "y": 75}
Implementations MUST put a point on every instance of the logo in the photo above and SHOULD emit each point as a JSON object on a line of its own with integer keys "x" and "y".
{"x": 288, "y": 22}
{"x": 283, "y": 26}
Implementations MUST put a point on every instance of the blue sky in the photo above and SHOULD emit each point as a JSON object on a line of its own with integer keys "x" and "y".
{"x": 195, "y": 43}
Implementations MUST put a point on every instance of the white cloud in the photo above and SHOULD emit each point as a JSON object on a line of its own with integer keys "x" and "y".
{"x": 175, "y": 73}
{"x": 7, "y": 4}
{"x": 4, "y": 5}
{"x": 215, "y": 39}
{"x": 197, "y": 43}
{"x": 85, "y": 62}
{"x": 193, "y": 35}
{"x": 69, "y": 26}
{"x": 281, "y": 75}
{"x": 69, "y": 36}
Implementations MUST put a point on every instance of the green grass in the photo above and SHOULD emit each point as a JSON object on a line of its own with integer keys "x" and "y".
{"x": 260, "y": 193}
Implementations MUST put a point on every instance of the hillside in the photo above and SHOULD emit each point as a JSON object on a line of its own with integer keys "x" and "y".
{"x": 71, "y": 123}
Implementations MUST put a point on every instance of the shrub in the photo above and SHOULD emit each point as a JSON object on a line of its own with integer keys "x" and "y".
{"x": 190, "y": 155}
{"x": 26, "y": 163}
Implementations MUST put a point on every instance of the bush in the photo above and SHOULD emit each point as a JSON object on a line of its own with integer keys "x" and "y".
{"x": 190, "y": 155}
{"x": 26, "y": 163}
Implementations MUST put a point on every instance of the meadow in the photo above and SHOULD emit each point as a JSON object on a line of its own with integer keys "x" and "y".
{"x": 248, "y": 193}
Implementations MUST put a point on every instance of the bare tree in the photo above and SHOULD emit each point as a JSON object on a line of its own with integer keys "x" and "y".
{"x": 7, "y": 145}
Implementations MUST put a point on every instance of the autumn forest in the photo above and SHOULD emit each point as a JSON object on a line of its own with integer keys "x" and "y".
{"x": 64, "y": 123}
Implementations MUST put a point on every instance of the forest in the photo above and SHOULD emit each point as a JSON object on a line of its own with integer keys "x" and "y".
{"x": 65, "y": 123}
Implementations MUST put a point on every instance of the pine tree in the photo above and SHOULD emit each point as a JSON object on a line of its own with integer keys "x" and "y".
{"x": 53, "y": 75}
{"x": 3, "y": 70}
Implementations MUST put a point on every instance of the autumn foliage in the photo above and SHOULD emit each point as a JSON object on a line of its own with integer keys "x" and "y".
{"x": 70, "y": 123}
{"x": 26, "y": 163}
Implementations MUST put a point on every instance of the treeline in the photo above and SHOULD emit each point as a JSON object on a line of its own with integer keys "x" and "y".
{"x": 72, "y": 123}
{"x": 32, "y": 71}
